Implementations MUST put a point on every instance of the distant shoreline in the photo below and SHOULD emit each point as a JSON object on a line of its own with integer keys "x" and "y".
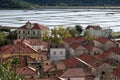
{"x": 79, "y": 7}
{"x": 66, "y": 7}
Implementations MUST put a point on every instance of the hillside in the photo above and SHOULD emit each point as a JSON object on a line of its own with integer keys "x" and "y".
{"x": 28, "y": 4}
{"x": 14, "y": 4}
{"x": 76, "y": 2}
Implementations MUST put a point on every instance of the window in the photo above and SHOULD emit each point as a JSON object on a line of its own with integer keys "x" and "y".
{"x": 46, "y": 63}
{"x": 103, "y": 73}
{"x": 38, "y": 32}
{"x": 54, "y": 52}
{"x": 28, "y": 32}
{"x": 23, "y": 32}
{"x": 68, "y": 78}
{"x": 33, "y": 32}
{"x": 61, "y": 52}
{"x": 19, "y": 37}
{"x": 19, "y": 32}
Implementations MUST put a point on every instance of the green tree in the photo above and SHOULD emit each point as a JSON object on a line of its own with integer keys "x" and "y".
{"x": 46, "y": 36}
{"x": 8, "y": 74}
{"x": 79, "y": 29}
{"x": 88, "y": 35}
{"x": 56, "y": 35}
{"x": 3, "y": 39}
{"x": 12, "y": 35}
{"x": 73, "y": 32}
{"x": 63, "y": 32}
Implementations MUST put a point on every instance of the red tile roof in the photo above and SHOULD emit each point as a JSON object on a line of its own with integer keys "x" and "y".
{"x": 103, "y": 55}
{"x": 26, "y": 71}
{"x": 33, "y": 42}
{"x": 102, "y": 40}
{"x": 86, "y": 57}
{"x": 34, "y": 26}
{"x": 117, "y": 72}
{"x": 95, "y": 27}
{"x": 71, "y": 39}
{"x": 20, "y": 48}
{"x": 74, "y": 45}
{"x": 39, "y": 26}
{"x": 91, "y": 60}
{"x": 80, "y": 38}
{"x": 47, "y": 68}
{"x": 115, "y": 50}
{"x": 71, "y": 62}
{"x": 108, "y": 52}
{"x": 91, "y": 47}
{"x": 73, "y": 73}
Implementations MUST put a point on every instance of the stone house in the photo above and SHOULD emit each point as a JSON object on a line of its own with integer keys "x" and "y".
{"x": 108, "y": 33}
{"x": 93, "y": 50}
{"x": 57, "y": 54}
{"x": 112, "y": 56}
{"x": 77, "y": 49}
{"x": 104, "y": 43}
{"x": 31, "y": 30}
{"x": 68, "y": 41}
{"x": 95, "y": 30}
{"x": 100, "y": 69}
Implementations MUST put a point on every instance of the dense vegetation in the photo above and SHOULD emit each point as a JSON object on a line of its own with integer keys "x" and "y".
{"x": 14, "y": 4}
{"x": 7, "y": 36}
{"x": 23, "y": 4}
{"x": 76, "y": 2}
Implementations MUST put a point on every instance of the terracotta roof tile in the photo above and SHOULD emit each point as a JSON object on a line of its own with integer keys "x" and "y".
{"x": 69, "y": 39}
{"x": 71, "y": 62}
{"x": 115, "y": 50}
{"x": 117, "y": 72}
{"x": 26, "y": 71}
{"x": 34, "y": 26}
{"x": 20, "y": 48}
{"x": 102, "y": 40}
{"x": 74, "y": 45}
{"x": 103, "y": 55}
{"x": 33, "y": 42}
{"x": 108, "y": 52}
{"x": 39, "y": 26}
{"x": 72, "y": 73}
{"x": 93, "y": 61}
{"x": 95, "y": 27}
{"x": 91, "y": 47}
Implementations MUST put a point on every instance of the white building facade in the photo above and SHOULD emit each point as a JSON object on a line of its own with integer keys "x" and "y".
{"x": 31, "y": 30}
{"x": 57, "y": 54}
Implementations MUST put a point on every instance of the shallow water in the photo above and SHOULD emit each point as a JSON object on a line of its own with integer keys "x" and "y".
{"x": 106, "y": 18}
